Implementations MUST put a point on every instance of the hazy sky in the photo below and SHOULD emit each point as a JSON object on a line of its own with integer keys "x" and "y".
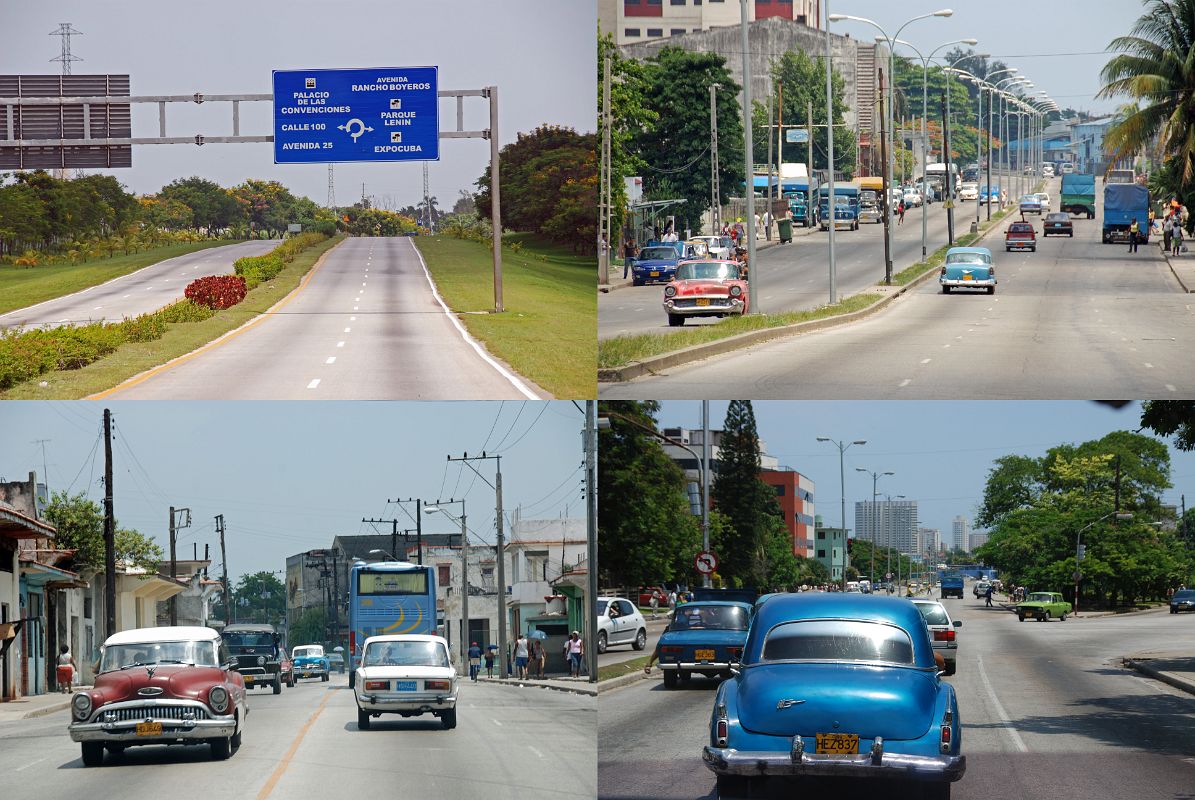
{"x": 941, "y": 452}
{"x": 1061, "y": 47}
{"x": 290, "y": 476}
{"x": 540, "y": 55}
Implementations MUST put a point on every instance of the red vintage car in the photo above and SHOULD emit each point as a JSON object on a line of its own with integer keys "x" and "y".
{"x": 707, "y": 288}
{"x": 167, "y": 685}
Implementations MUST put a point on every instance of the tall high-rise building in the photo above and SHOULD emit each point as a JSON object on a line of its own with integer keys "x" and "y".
{"x": 976, "y": 539}
{"x": 961, "y": 533}
{"x": 929, "y": 540}
{"x": 888, "y": 523}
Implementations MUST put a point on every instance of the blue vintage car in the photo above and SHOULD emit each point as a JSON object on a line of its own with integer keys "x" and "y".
{"x": 656, "y": 263}
{"x": 310, "y": 662}
{"x": 705, "y": 637}
{"x": 968, "y": 268}
{"x": 836, "y": 684}
{"x": 1030, "y": 204}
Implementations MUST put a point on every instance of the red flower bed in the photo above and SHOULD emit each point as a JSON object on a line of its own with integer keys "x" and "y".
{"x": 217, "y": 291}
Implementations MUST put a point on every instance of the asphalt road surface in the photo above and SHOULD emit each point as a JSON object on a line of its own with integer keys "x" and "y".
{"x": 365, "y": 325}
{"x": 616, "y": 654}
{"x": 796, "y": 276}
{"x": 1075, "y": 320}
{"x": 140, "y": 292}
{"x": 1048, "y": 713}
{"x": 509, "y": 744}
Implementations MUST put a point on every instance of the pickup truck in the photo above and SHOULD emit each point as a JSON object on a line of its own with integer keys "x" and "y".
{"x": 1042, "y": 606}
{"x": 1020, "y": 236}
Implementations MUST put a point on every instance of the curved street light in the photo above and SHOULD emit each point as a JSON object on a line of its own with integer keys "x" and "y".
{"x": 842, "y": 448}
{"x": 875, "y": 477}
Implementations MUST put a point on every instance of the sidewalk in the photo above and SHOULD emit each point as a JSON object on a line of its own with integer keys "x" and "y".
{"x": 1174, "y": 668}
{"x": 560, "y": 683}
{"x": 1182, "y": 266}
{"x": 38, "y": 705}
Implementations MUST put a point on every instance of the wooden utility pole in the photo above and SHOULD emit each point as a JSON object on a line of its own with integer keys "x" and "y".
{"x": 224, "y": 566}
{"x": 173, "y": 570}
{"x": 109, "y": 533}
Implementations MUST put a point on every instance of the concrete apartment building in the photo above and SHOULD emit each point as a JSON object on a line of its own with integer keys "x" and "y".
{"x": 929, "y": 540}
{"x": 888, "y": 523}
{"x": 830, "y": 548}
{"x": 638, "y": 20}
{"x": 960, "y": 529}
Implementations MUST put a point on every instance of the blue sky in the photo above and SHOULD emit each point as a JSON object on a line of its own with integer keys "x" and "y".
{"x": 288, "y": 476}
{"x": 941, "y": 452}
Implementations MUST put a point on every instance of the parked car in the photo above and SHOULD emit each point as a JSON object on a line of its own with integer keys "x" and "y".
{"x": 257, "y": 653}
{"x": 836, "y": 684}
{"x": 1043, "y": 606}
{"x": 968, "y": 191}
{"x": 161, "y": 686}
{"x": 1030, "y": 204}
{"x": 968, "y": 268}
{"x": 1067, "y": 168}
{"x": 659, "y": 592}
{"x": 656, "y": 263}
{"x": 619, "y": 622}
{"x": 1182, "y": 600}
{"x": 406, "y": 674}
{"x": 1057, "y": 222}
{"x": 310, "y": 662}
{"x": 1020, "y": 236}
{"x": 942, "y": 630}
{"x": 705, "y": 289}
{"x": 717, "y": 246}
{"x": 704, "y": 637}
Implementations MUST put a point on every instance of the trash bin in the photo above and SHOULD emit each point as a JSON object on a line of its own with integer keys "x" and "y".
{"x": 786, "y": 230}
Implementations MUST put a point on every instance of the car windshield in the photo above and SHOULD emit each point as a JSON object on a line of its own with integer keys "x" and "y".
{"x": 249, "y": 638}
{"x": 311, "y": 651}
{"x": 699, "y": 617}
{"x": 657, "y": 253}
{"x": 124, "y": 656}
{"x": 968, "y": 258}
{"x": 1020, "y": 227}
{"x": 933, "y": 613}
{"x": 405, "y": 654}
{"x": 838, "y": 640}
{"x": 1030, "y": 198}
{"x": 1057, "y": 217}
{"x": 1041, "y": 597}
{"x": 1185, "y": 594}
{"x": 706, "y": 270}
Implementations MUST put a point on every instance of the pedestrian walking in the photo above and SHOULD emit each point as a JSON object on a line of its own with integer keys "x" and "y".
{"x": 574, "y": 651}
{"x": 1134, "y": 228}
{"x": 900, "y": 212}
{"x": 671, "y": 602}
{"x": 538, "y": 657}
{"x": 655, "y": 604}
{"x": 522, "y": 653}
{"x": 491, "y": 653}
{"x": 1167, "y": 229}
{"x": 66, "y": 669}
{"x": 628, "y": 255}
{"x": 987, "y": 596}
{"x": 474, "y": 661}
{"x": 1176, "y": 238}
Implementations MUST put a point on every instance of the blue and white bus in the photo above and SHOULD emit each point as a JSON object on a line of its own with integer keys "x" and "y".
{"x": 388, "y": 597}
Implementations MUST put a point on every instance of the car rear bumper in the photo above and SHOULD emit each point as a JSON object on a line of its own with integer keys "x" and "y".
{"x": 727, "y": 761}
{"x": 125, "y": 732}
{"x": 704, "y": 666}
{"x": 390, "y": 703}
{"x": 964, "y": 284}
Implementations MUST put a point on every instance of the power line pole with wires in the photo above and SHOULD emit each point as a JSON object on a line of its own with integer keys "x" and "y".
{"x": 331, "y": 201}
{"x": 224, "y": 567}
{"x": 109, "y": 533}
{"x": 418, "y": 524}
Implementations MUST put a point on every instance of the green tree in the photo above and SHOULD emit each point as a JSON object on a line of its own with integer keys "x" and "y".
{"x": 630, "y": 116}
{"x": 646, "y": 531}
{"x": 212, "y": 208}
{"x": 260, "y": 597}
{"x": 748, "y": 503}
{"x": 1171, "y": 418}
{"x": 310, "y": 628}
{"x": 80, "y": 524}
{"x": 1154, "y": 68}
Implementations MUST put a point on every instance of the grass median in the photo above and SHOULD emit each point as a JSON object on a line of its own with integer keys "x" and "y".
{"x": 618, "y": 351}
{"x": 935, "y": 260}
{"x": 132, "y": 358}
{"x": 25, "y": 286}
{"x": 549, "y": 327}
{"x": 622, "y": 668}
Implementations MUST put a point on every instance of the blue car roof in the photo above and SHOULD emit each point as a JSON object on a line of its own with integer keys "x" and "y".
{"x": 980, "y": 250}
{"x": 697, "y": 603}
{"x": 845, "y": 605}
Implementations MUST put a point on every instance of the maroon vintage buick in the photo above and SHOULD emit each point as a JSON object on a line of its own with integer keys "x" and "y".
{"x": 161, "y": 686}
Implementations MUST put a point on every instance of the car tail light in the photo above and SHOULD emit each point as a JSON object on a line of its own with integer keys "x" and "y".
{"x": 944, "y": 636}
{"x": 735, "y": 291}
{"x": 670, "y": 649}
{"x": 946, "y": 739}
{"x": 722, "y": 727}
{"x": 376, "y": 685}
{"x": 437, "y": 686}
{"x": 736, "y": 653}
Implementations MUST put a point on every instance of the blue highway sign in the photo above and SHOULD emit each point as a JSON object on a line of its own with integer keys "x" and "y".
{"x": 377, "y": 114}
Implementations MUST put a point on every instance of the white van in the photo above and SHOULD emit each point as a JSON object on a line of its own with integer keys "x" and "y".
{"x": 1067, "y": 168}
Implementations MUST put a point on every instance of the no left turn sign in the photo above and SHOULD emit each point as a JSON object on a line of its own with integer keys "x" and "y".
{"x": 705, "y": 563}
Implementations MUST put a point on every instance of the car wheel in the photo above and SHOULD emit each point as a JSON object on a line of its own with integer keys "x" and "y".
{"x": 991, "y": 290}
{"x": 324, "y": 677}
{"x": 683, "y": 675}
{"x": 290, "y": 684}
{"x": 236, "y": 740}
{"x": 945, "y": 290}
{"x": 1071, "y": 234}
{"x": 93, "y": 754}
{"x": 935, "y": 791}
{"x": 675, "y": 320}
{"x": 640, "y": 640}
{"x": 1174, "y": 611}
{"x": 669, "y": 678}
{"x": 601, "y": 645}
{"x": 116, "y": 750}
{"x": 362, "y": 719}
{"x": 221, "y": 748}
{"x": 1044, "y": 617}
{"x": 1091, "y": 215}
{"x": 352, "y": 679}
{"x": 732, "y": 786}
{"x": 636, "y": 282}
{"x": 950, "y": 667}
{"x": 1021, "y": 617}
{"x": 1062, "y": 617}
{"x": 277, "y": 684}
{"x": 448, "y": 719}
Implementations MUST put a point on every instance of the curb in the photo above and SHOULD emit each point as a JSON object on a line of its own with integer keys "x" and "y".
{"x": 1164, "y": 677}
{"x": 47, "y": 710}
{"x": 697, "y": 352}
{"x": 588, "y": 689}
{"x": 623, "y": 680}
{"x": 1174, "y": 272}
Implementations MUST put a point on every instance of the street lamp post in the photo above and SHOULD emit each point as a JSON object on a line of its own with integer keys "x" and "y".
{"x": 950, "y": 71}
{"x": 875, "y": 476}
{"x": 991, "y": 121}
{"x": 749, "y": 158}
{"x": 432, "y": 509}
{"x": 1079, "y": 548}
{"x": 842, "y": 448}
{"x": 888, "y": 168}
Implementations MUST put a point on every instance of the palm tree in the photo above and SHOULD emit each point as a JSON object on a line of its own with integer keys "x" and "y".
{"x": 1155, "y": 68}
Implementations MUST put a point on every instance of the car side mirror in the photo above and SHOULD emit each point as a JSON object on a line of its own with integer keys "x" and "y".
{"x": 958, "y": 623}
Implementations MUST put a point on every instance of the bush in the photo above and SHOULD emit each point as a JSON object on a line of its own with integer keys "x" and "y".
{"x": 217, "y": 291}
{"x": 144, "y": 328}
{"x": 185, "y": 311}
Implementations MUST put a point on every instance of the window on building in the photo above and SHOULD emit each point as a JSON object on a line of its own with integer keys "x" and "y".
{"x": 444, "y": 574}
{"x": 677, "y": 2}
{"x": 655, "y": 2}
{"x": 655, "y": 32}
{"x": 537, "y": 565}
{"x": 779, "y": 490}
{"x": 631, "y": 32}
{"x": 821, "y": 534}
{"x": 675, "y": 31}
{"x": 821, "y": 553}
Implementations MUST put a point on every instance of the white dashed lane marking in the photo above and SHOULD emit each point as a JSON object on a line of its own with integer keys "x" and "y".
{"x": 331, "y": 360}
{"x": 340, "y": 344}
{"x": 313, "y": 384}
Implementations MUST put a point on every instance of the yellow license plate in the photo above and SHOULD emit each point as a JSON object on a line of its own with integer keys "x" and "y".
{"x": 838, "y": 743}
{"x": 704, "y": 655}
{"x": 968, "y": 277}
{"x": 149, "y": 729}
{"x": 703, "y": 301}
{"x": 655, "y": 274}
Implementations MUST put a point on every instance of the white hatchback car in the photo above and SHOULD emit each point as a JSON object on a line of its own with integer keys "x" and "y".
{"x": 406, "y": 674}
{"x": 619, "y": 622}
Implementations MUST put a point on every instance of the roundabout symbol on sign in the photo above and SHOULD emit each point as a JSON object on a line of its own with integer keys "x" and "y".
{"x": 705, "y": 563}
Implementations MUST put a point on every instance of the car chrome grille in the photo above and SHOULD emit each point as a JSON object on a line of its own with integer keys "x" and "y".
{"x": 138, "y": 713}
{"x": 714, "y": 302}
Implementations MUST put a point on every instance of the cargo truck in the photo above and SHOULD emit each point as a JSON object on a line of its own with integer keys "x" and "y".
{"x": 1123, "y": 203}
{"x": 951, "y": 583}
{"x": 1078, "y": 194}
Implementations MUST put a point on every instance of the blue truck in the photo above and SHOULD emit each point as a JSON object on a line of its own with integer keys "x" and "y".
{"x": 799, "y": 192}
{"x": 1123, "y": 203}
{"x": 846, "y": 207}
{"x": 951, "y": 583}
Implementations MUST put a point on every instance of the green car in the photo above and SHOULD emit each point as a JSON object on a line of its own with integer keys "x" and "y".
{"x": 1042, "y": 606}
